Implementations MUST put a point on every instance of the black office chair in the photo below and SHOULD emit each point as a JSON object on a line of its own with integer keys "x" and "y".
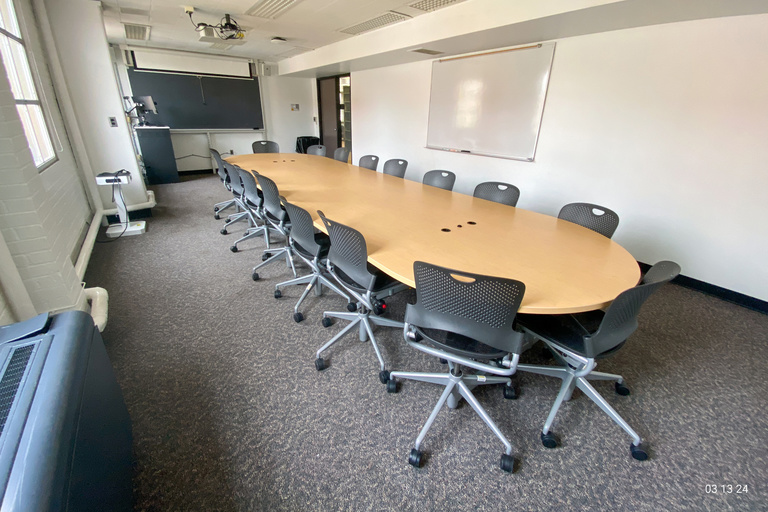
{"x": 578, "y": 340}
{"x": 467, "y": 320}
{"x": 311, "y": 247}
{"x": 498, "y": 192}
{"x": 348, "y": 264}
{"x": 316, "y": 150}
{"x": 236, "y": 185}
{"x": 341, "y": 154}
{"x": 595, "y": 217}
{"x": 395, "y": 167}
{"x": 439, "y": 179}
{"x": 278, "y": 220}
{"x": 369, "y": 162}
{"x": 253, "y": 200}
{"x": 265, "y": 146}
{"x": 222, "y": 172}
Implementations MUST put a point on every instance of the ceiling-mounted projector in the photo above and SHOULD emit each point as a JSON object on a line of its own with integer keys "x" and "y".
{"x": 209, "y": 35}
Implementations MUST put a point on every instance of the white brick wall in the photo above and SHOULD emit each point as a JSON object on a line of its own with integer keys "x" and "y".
{"x": 6, "y": 317}
{"x": 30, "y": 220}
{"x": 69, "y": 209}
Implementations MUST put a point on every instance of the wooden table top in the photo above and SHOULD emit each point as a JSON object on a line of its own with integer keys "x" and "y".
{"x": 566, "y": 268}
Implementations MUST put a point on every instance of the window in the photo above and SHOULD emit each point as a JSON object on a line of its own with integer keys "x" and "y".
{"x": 23, "y": 87}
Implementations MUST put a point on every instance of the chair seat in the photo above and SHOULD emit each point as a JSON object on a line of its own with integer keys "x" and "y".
{"x": 382, "y": 280}
{"x": 567, "y": 331}
{"x": 322, "y": 240}
{"x": 461, "y": 345}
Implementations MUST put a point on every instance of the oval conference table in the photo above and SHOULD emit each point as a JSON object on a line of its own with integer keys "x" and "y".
{"x": 566, "y": 268}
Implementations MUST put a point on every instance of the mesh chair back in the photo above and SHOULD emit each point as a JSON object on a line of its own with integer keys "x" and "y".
{"x": 341, "y": 154}
{"x": 302, "y": 229}
{"x": 265, "y": 146}
{"x": 476, "y": 306}
{"x": 395, "y": 167}
{"x": 439, "y": 179}
{"x": 251, "y": 190}
{"x": 620, "y": 320}
{"x": 369, "y": 162}
{"x": 234, "y": 179}
{"x": 595, "y": 217}
{"x": 498, "y": 192}
{"x": 316, "y": 150}
{"x": 271, "y": 198}
{"x": 219, "y": 165}
{"x": 349, "y": 252}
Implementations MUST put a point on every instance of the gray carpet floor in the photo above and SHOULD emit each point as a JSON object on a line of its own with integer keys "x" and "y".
{"x": 229, "y": 412}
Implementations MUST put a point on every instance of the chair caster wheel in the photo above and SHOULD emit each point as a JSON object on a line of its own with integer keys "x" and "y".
{"x": 384, "y": 376}
{"x": 621, "y": 389}
{"x": 298, "y": 317}
{"x": 266, "y": 256}
{"x": 278, "y": 294}
{"x": 415, "y": 458}
{"x": 320, "y": 364}
{"x": 215, "y": 209}
{"x": 639, "y": 452}
{"x": 351, "y": 307}
{"x": 415, "y": 337}
{"x": 327, "y": 322}
{"x": 380, "y": 308}
{"x": 391, "y": 386}
{"x": 549, "y": 440}
{"x": 217, "y": 216}
{"x": 510, "y": 392}
{"x": 233, "y": 248}
{"x": 223, "y": 231}
{"x": 255, "y": 276}
{"x": 507, "y": 463}
{"x": 227, "y": 221}
{"x": 443, "y": 361}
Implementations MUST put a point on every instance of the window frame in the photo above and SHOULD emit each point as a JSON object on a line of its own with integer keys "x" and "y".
{"x": 36, "y": 83}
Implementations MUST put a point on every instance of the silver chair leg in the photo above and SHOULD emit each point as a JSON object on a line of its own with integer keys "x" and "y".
{"x": 367, "y": 323}
{"x": 471, "y": 400}
{"x": 277, "y": 254}
{"x": 432, "y": 378}
{"x": 338, "y": 336}
{"x": 446, "y": 393}
{"x": 605, "y": 376}
{"x": 220, "y": 207}
{"x": 558, "y": 402}
{"x": 596, "y": 397}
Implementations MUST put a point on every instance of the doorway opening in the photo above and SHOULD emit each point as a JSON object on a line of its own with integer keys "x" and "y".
{"x": 334, "y": 97}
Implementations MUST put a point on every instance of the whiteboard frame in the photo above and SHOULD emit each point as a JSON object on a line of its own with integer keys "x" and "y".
{"x": 540, "y": 114}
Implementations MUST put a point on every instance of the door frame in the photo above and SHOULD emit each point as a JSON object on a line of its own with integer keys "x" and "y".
{"x": 339, "y": 134}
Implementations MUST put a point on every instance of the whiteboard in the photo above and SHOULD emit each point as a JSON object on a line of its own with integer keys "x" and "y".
{"x": 490, "y": 104}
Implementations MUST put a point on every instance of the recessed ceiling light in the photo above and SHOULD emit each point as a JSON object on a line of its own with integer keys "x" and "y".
{"x": 278, "y": 40}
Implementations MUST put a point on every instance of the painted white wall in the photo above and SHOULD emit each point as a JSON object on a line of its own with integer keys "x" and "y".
{"x": 82, "y": 50}
{"x": 665, "y": 124}
{"x": 284, "y": 125}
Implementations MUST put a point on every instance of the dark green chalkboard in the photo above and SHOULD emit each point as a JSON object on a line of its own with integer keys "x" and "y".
{"x": 200, "y": 102}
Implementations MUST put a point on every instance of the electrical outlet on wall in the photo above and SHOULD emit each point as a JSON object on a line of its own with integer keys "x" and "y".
{"x": 113, "y": 122}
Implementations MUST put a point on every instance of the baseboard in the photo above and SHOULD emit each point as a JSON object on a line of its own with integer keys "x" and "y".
{"x": 195, "y": 171}
{"x": 717, "y": 291}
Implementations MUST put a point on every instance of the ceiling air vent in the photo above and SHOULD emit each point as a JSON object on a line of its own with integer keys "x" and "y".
{"x": 136, "y": 32}
{"x": 374, "y": 23}
{"x": 432, "y": 5}
{"x": 270, "y": 9}
{"x": 221, "y": 46}
{"x": 426, "y": 51}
